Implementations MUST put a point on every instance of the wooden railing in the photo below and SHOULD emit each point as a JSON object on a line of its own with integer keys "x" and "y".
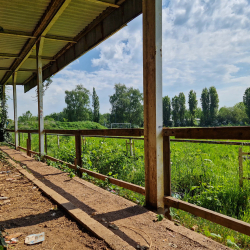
{"x": 193, "y": 135}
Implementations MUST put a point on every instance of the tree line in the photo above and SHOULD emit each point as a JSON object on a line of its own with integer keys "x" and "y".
{"x": 176, "y": 114}
{"x": 127, "y": 107}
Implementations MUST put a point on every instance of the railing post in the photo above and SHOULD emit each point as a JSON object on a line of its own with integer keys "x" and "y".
{"x": 58, "y": 142}
{"x": 78, "y": 148}
{"x": 29, "y": 145}
{"x": 240, "y": 168}
{"x": 152, "y": 91}
{"x": 19, "y": 138}
{"x": 46, "y": 147}
{"x": 15, "y": 109}
{"x": 167, "y": 172}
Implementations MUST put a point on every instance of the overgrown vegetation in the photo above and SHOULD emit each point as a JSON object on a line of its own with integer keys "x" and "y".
{"x": 202, "y": 174}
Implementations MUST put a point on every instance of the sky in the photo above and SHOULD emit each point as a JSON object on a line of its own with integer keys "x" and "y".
{"x": 205, "y": 43}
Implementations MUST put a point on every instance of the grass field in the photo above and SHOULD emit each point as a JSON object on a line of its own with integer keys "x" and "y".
{"x": 202, "y": 174}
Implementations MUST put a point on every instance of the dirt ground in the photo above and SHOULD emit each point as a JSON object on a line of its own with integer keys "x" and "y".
{"x": 136, "y": 225}
{"x": 27, "y": 211}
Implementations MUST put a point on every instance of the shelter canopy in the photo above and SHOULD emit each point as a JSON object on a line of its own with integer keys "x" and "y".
{"x": 66, "y": 28}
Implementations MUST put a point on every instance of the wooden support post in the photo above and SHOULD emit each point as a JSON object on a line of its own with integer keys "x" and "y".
{"x": 131, "y": 147}
{"x": 152, "y": 88}
{"x": 39, "y": 47}
{"x": 78, "y": 148}
{"x": 19, "y": 139}
{"x": 15, "y": 109}
{"x": 240, "y": 168}
{"x": 29, "y": 144}
{"x": 46, "y": 145}
{"x": 167, "y": 172}
{"x": 58, "y": 142}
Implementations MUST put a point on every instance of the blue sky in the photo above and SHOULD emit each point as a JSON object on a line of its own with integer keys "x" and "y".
{"x": 205, "y": 43}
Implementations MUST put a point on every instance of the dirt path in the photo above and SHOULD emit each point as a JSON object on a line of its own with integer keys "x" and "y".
{"x": 27, "y": 211}
{"x": 136, "y": 224}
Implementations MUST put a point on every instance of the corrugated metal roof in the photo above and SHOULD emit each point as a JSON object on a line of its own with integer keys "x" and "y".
{"x": 25, "y": 15}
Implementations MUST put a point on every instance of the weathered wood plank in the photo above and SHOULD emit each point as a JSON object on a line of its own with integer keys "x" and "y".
{"x": 210, "y": 215}
{"x": 222, "y": 133}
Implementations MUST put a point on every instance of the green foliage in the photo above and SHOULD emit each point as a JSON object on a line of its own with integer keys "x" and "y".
{"x": 205, "y": 101}
{"x": 192, "y": 101}
{"x": 96, "y": 106}
{"x": 182, "y": 104}
{"x": 166, "y": 111}
{"x": 3, "y": 115}
{"x": 77, "y": 101}
{"x": 176, "y": 111}
{"x": 160, "y": 217}
{"x": 246, "y": 101}
{"x": 45, "y": 86}
{"x": 126, "y": 105}
{"x": 214, "y": 104}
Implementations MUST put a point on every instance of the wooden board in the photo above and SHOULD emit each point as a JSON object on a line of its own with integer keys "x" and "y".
{"x": 222, "y": 133}
{"x": 210, "y": 215}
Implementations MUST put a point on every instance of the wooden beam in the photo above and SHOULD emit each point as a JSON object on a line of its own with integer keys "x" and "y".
{"x": 152, "y": 89}
{"x": 78, "y": 147}
{"x": 23, "y": 70}
{"x": 207, "y": 214}
{"x": 105, "y": 25}
{"x": 8, "y": 55}
{"x": 103, "y": 3}
{"x": 39, "y": 48}
{"x": 14, "y": 76}
{"x": 220, "y": 133}
{"x": 54, "y": 10}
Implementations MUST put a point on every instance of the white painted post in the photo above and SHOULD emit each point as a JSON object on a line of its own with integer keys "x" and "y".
{"x": 131, "y": 147}
{"x": 39, "y": 48}
{"x": 153, "y": 117}
{"x": 15, "y": 109}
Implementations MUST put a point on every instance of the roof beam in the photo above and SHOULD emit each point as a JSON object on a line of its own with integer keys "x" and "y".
{"x": 7, "y": 69}
{"x": 109, "y": 22}
{"x": 29, "y": 35}
{"x": 8, "y": 56}
{"x": 53, "y": 12}
{"x": 103, "y": 3}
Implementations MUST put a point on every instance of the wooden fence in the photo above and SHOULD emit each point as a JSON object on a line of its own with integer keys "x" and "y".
{"x": 192, "y": 135}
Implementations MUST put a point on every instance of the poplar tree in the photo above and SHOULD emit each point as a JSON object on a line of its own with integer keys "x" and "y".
{"x": 182, "y": 105}
{"x": 166, "y": 111}
{"x": 176, "y": 111}
{"x": 205, "y": 107}
{"x": 246, "y": 101}
{"x": 214, "y": 104}
{"x": 96, "y": 106}
{"x": 192, "y": 101}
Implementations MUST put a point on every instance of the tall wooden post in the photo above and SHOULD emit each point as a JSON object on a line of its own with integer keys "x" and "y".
{"x": 39, "y": 48}
{"x": 167, "y": 171}
{"x": 15, "y": 109}
{"x": 153, "y": 117}
{"x": 29, "y": 144}
{"x": 78, "y": 149}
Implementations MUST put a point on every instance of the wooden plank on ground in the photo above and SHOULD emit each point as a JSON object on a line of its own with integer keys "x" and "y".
{"x": 222, "y": 133}
{"x": 100, "y": 231}
{"x": 210, "y": 215}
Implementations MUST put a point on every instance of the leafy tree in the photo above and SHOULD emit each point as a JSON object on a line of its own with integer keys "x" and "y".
{"x": 246, "y": 101}
{"x": 205, "y": 101}
{"x": 27, "y": 116}
{"x": 176, "y": 111}
{"x": 214, "y": 104}
{"x": 96, "y": 106}
{"x": 77, "y": 101}
{"x": 182, "y": 105}
{"x": 105, "y": 120}
{"x": 235, "y": 115}
{"x": 192, "y": 101}
{"x": 126, "y": 105}
{"x": 45, "y": 85}
{"x": 61, "y": 116}
{"x": 166, "y": 111}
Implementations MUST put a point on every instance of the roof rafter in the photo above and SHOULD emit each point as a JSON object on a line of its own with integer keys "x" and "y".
{"x": 50, "y": 16}
{"x": 8, "y": 56}
{"x": 29, "y": 35}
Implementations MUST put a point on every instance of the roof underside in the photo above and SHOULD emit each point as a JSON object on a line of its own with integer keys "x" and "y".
{"x": 70, "y": 28}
